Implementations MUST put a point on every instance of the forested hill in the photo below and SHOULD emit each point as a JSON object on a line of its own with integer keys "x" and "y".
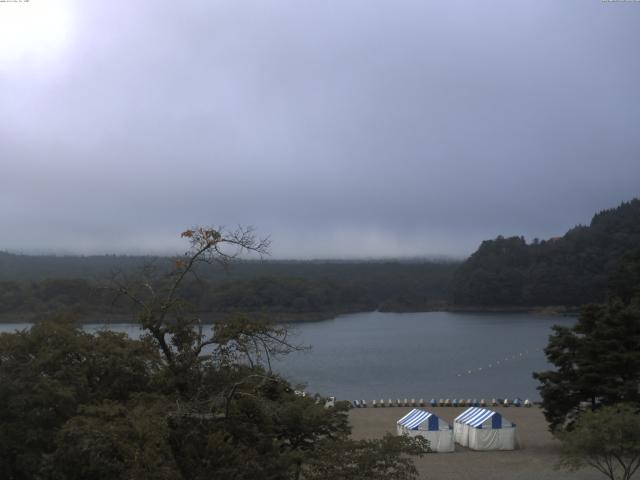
{"x": 32, "y": 287}
{"x": 571, "y": 270}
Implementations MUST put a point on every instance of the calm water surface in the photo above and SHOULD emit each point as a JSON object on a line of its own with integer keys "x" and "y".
{"x": 430, "y": 354}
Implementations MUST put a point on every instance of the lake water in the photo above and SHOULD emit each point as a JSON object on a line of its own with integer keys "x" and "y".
{"x": 421, "y": 355}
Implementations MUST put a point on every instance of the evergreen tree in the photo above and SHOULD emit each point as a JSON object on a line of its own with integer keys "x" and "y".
{"x": 597, "y": 360}
{"x": 572, "y": 270}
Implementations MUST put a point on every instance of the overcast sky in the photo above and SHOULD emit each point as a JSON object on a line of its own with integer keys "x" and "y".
{"x": 340, "y": 128}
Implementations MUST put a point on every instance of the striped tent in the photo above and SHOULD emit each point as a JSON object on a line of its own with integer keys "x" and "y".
{"x": 483, "y": 429}
{"x": 422, "y": 423}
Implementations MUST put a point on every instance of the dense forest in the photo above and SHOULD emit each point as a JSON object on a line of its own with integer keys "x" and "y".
{"x": 32, "y": 286}
{"x": 571, "y": 270}
{"x": 503, "y": 273}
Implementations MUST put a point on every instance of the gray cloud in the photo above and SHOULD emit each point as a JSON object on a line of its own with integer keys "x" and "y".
{"x": 340, "y": 128}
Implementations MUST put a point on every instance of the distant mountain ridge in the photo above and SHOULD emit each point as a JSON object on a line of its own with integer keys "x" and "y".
{"x": 504, "y": 273}
{"x": 27, "y": 267}
{"x": 570, "y": 270}
{"x": 19, "y": 267}
{"x": 32, "y": 287}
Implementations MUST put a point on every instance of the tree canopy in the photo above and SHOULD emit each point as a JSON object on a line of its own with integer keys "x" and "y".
{"x": 607, "y": 439}
{"x": 572, "y": 270}
{"x": 598, "y": 359}
{"x": 290, "y": 291}
{"x": 178, "y": 403}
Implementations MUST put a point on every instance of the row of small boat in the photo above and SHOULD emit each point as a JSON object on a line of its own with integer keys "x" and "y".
{"x": 503, "y": 402}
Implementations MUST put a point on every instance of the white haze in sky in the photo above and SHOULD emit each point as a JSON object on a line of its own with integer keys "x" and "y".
{"x": 339, "y": 128}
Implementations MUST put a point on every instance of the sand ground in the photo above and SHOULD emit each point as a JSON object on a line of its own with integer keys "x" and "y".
{"x": 534, "y": 460}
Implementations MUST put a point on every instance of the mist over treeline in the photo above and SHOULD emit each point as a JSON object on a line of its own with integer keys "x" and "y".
{"x": 35, "y": 286}
{"x": 14, "y": 266}
{"x": 504, "y": 273}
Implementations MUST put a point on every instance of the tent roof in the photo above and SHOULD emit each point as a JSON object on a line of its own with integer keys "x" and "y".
{"x": 474, "y": 416}
{"x": 414, "y": 418}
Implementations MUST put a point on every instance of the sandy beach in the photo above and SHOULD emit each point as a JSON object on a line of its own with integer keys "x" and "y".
{"x": 533, "y": 460}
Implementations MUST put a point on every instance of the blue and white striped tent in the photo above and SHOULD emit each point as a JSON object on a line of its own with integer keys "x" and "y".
{"x": 476, "y": 416}
{"x": 483, "y": 429}
{"x": 422, "y": 423}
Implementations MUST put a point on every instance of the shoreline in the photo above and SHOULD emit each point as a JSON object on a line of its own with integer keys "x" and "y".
{"x": 211, "y": 318}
